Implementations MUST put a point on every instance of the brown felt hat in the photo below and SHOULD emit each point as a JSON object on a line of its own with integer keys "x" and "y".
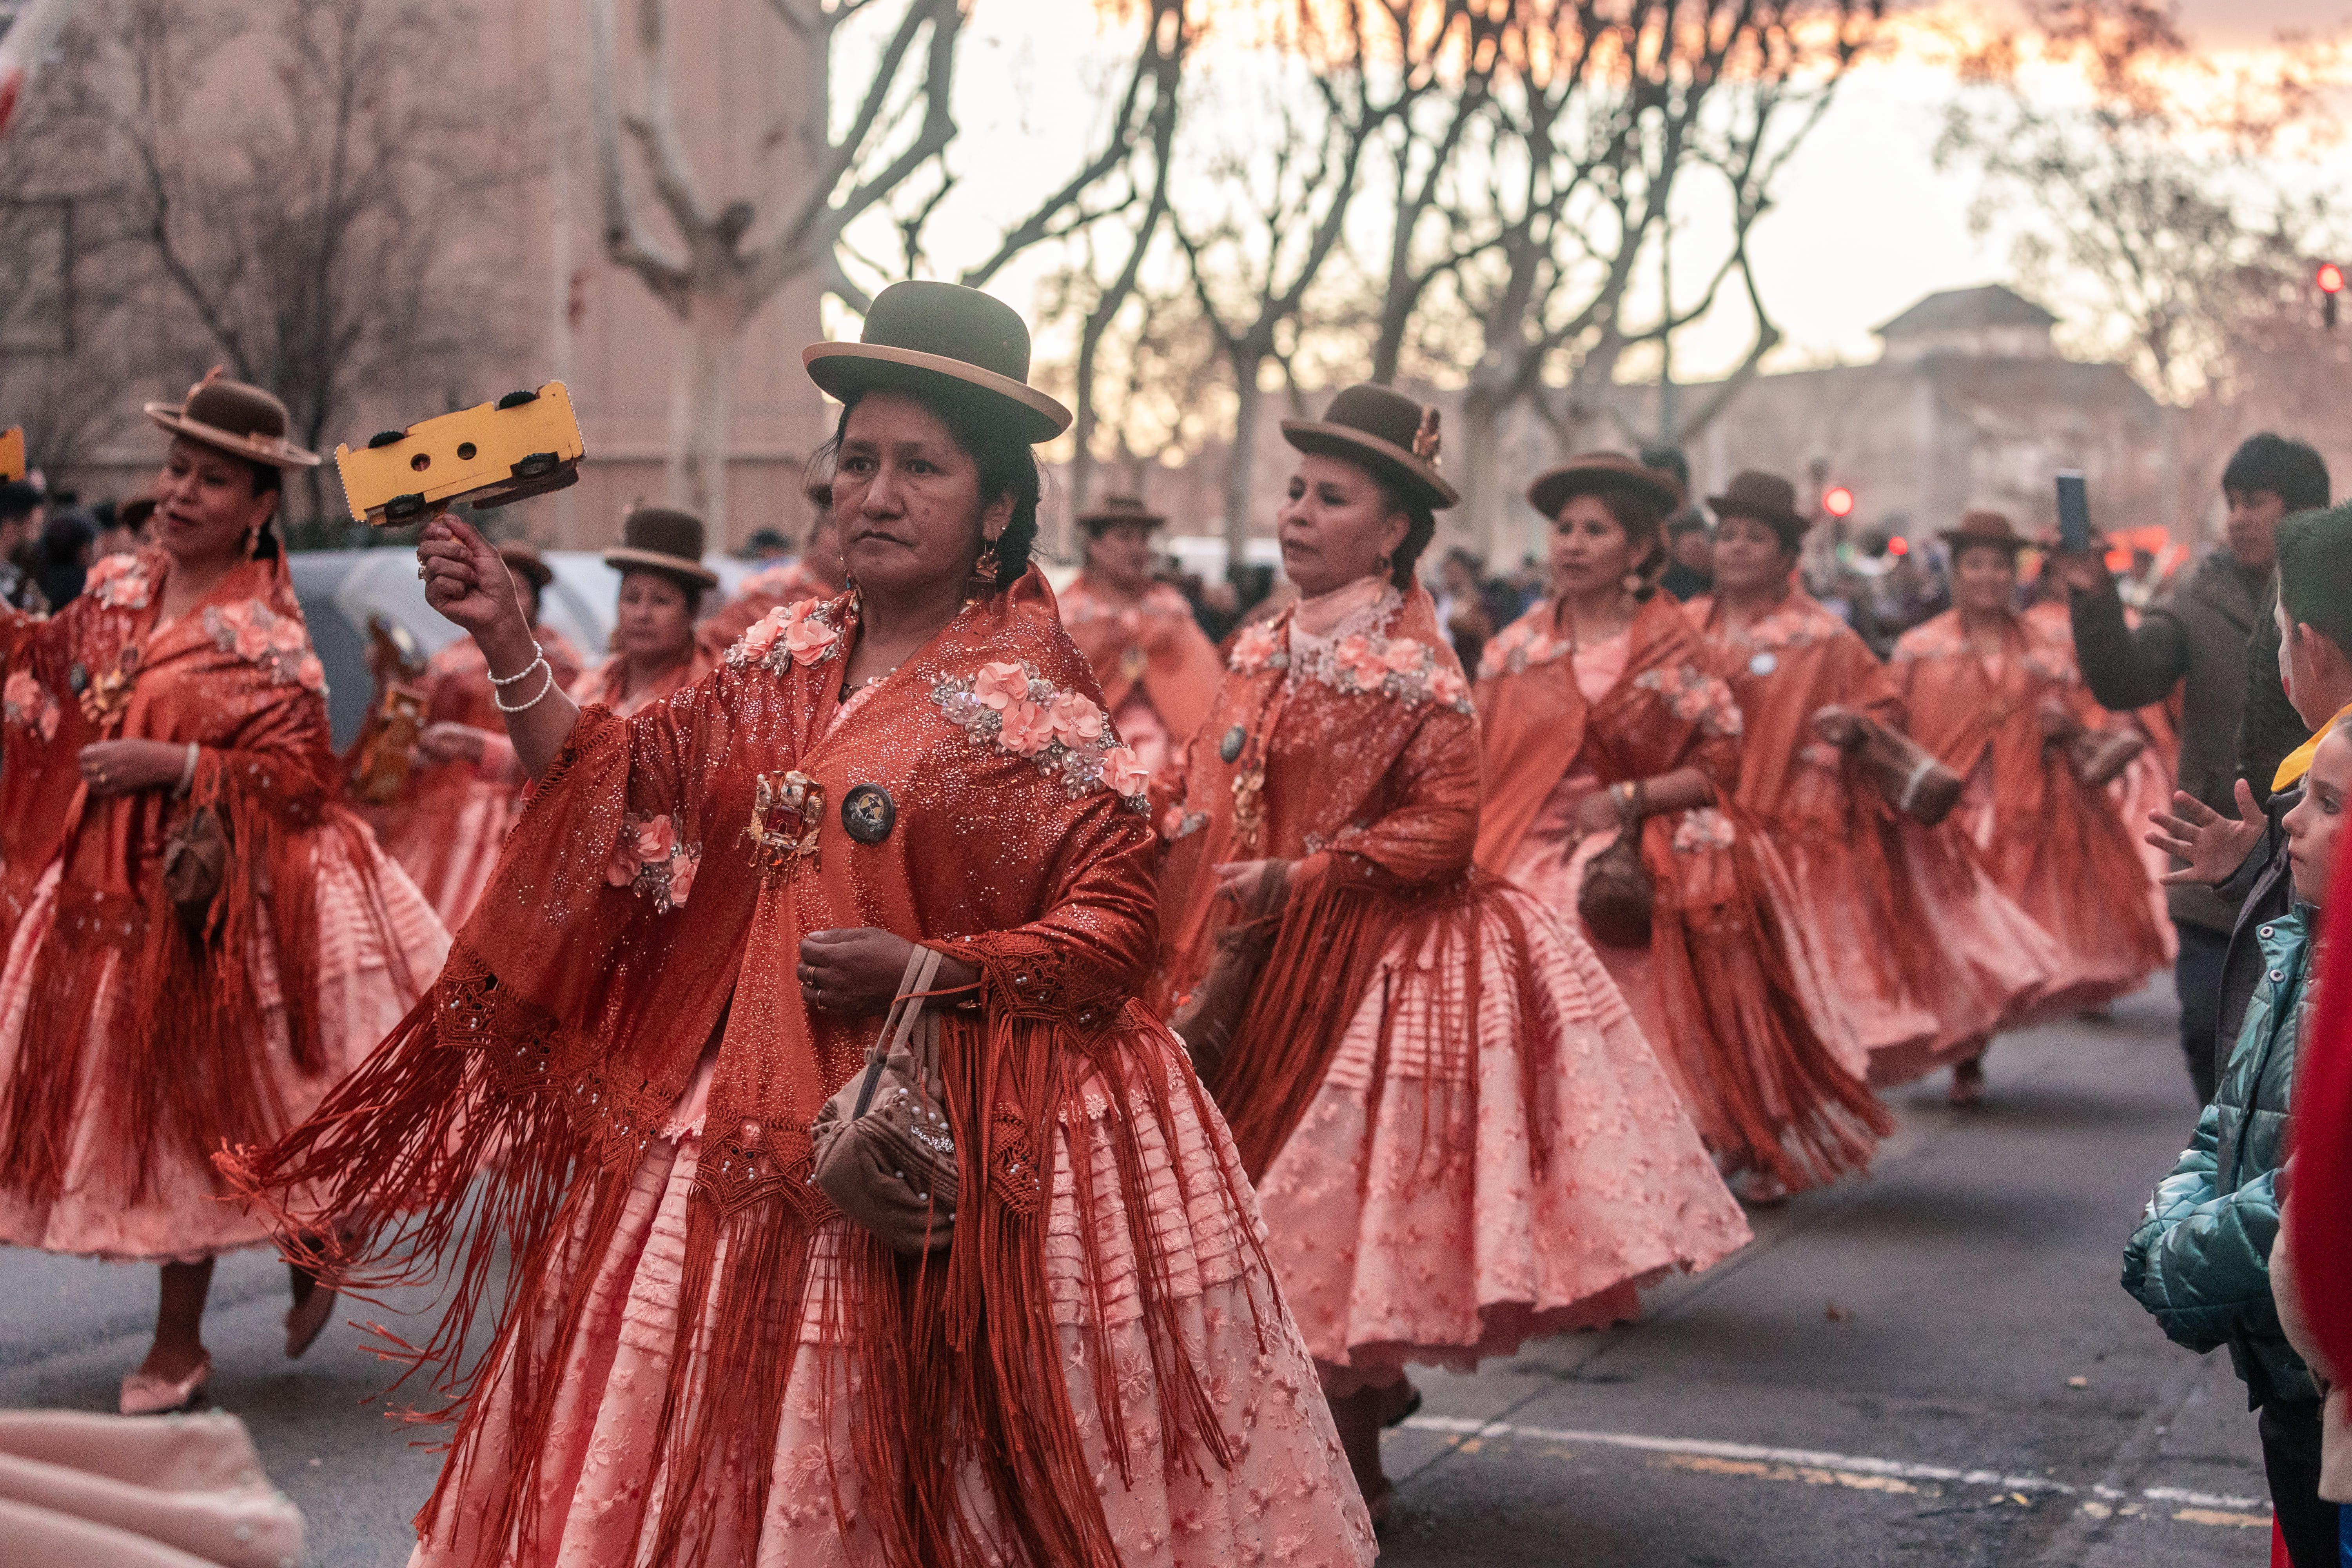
{"x": 233, "y": 418}
{"x": 933, "y": 337}
{"x": 1598, "y": 473}
{"x": 1117, "y": 509}
{"x": 1985, "y": 528}
{"x": 1766, "y": 498}
{"x": 656, "y": 538}
{"x": 1383, "y": 430}
{"x": 522, "y": 559}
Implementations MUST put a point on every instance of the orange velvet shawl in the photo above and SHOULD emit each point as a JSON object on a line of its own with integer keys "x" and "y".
{"x": 645, "y": 902}
{"x": 1154, "y": 645}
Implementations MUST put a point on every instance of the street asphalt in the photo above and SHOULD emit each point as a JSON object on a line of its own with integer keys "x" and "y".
{"x": 1932, "y": 1365}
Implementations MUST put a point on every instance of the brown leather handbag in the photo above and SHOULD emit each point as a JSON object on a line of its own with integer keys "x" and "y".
{"x": 1616, "y": 896}
{"x": 194, "y": 860}
{"x": 1213, "y": 1014}
{"x": 1913, "y": 780}
{"x": 884, "y": 1152}
{"x": 2098, "y": 756}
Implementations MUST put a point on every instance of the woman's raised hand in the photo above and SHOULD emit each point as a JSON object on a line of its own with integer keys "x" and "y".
{"x": 467, "y": 580}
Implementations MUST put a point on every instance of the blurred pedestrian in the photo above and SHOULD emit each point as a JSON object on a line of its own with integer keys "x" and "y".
{"x": 24, "y": 512}
{"x": 123, "y": 526}
{"x": 1463, "y": 606}
{"x": 1157, "y": 671}
{"x": 766, "y": 545}
{"x": 2268, "y": 479}
{"x": 63, "y": 556}
{"x": 2201, "y": 641}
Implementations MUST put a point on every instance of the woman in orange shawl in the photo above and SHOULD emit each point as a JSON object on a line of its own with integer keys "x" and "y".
{"x": 655, "y": 651}
{"x": 815, "y": 573}
{"x": 1934, "y": 958}
{"x": 1996, "y": 695}
{"x": 464, "y": 798}
{"x": 1606, "y": 713}
{"x": 702, "y": 916}
{"x": 1460, "y": 1137}
{"x": 1157, "y": 669}
{"x": 145, "y": 1016}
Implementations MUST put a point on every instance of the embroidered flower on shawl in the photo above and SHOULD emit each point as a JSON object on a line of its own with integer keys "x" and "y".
{"x": 1519, "y": 646}
{"x": 1257, "y": 648}
{"x": 1012, "y": 709}
{"x": 260, "y": 636}
{"x": 1401, "y": 668}
{"x": 1703, "y": 828}
{"x": 805, "y": 631}
{"x": 1693, "y": 694}
{"x": 1123, "y": 771}
{"x": 1791, "y": 626}
{"x": 651, "y": 860}
{"x": 119, "y": 582}
{"x": 1177, "y": 823}
{"x": 26, "y": 703}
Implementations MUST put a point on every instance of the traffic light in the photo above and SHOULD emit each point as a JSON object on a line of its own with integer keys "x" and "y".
{"x": 1899, "y": 545}
{"x": 1838, "y": 502}
{"x": 2331, "y": 284}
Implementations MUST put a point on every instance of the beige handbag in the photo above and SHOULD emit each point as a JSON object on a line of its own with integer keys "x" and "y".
{"x": 884, "y": 1152}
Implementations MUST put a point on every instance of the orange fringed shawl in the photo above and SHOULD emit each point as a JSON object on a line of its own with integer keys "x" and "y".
{"x": 236, "y": 674}
{"x": 574, "y": 1008}
{"x": 1765, "y": 1089}
{"x": 1369, "y": 768}
{"x": 1153, "y": 646}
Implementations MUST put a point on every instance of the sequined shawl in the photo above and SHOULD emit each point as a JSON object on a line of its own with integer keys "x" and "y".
{"x": 1154, "y": 645}
{"x": 654, "y": 894}
{"x": 237, "y": 676}
{"x": 1364, "y": 764}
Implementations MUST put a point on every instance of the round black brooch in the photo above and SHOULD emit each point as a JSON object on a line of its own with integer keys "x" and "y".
{"x": 1231, "y": 746}
{"x": 869, "y": 812}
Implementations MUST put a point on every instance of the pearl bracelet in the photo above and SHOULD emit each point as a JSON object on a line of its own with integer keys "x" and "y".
{"x": 538, "y": 657}
{"x": 545, "y": 687}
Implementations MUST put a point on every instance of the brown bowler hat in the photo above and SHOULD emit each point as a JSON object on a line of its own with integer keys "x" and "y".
{"x": 241, "y": 420}
{"x": 522, "y": 559}
{"x": 1117, "y": 509}
{"x": 1598, "y": 473}
{"x": 1383, "y": 430}
{"x": 657, "y": 539}
{"x": 1768, "y": 499}
{"x": 1985, "y": 528}
{"x": 941, "y": 336}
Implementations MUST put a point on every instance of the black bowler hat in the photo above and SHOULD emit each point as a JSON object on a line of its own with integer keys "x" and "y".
{"x": 1383, "y": 430}
{"x": 932, "y": 337}
{"x": 656, "y": 538}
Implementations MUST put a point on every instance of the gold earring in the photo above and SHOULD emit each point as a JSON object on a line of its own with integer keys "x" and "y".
{"x": 984, "y": 569}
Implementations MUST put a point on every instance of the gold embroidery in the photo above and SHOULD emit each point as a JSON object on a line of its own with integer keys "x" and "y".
{"x": 778, "y": 844}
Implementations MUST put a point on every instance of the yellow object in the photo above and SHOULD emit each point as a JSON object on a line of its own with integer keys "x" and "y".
{"x": 2297, "y": 762}
{"x": 12, "y": 453}
{"x": 525, "y": 444}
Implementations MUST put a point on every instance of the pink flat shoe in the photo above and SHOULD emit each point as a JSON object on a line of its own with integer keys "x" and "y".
{"x": 145, "y": 1394}
{"x": 306, "y": 1319}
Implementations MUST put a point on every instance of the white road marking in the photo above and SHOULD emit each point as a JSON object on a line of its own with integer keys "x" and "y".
{"x": 1813, "y": 1458}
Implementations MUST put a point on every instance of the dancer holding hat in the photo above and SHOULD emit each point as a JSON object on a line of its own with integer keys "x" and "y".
{"x": 1438, "y": 1090}
{"x": 452, "y": 819}
{"x": 1612, "y": 748}
{"x": 202, "y": 938}
{"x": 1996, "y": 695}
{"x": 1932, "y": 957}
{"x": 1157, "y": 671}
{"x": 699, "y": 924}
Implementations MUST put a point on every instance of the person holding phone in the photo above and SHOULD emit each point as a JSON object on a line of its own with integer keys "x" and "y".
{"x": 2203, "y": 638}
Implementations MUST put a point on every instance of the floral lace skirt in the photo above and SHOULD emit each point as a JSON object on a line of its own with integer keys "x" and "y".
{"x": 1289, "y": 1497}
{"x": 1442, "y": 1205}
{"x": 448, "y": 840}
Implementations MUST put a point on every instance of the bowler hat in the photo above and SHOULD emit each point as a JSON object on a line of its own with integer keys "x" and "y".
{"x": 237, "y": 418}
{"x": 1596, "y": 473}
{"x": 930, "y": 337}
{"x": 656, "y": 538}
{"x": 1985, "y": 528}
{"x": 522, "y": 559}
{"x": 1766, "y": 498}
{"x": 1386, "y": 431}
{"x": 1117, "y": 509}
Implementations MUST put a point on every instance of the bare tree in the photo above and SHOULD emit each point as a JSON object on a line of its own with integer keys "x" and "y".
{"x": 709, "y": 269}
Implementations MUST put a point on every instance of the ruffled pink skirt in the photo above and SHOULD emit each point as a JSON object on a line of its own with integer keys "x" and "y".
{"x": 1417, "y": 1219}
{"x": 449, "y": 844}
{"x": 1288, "y": 1497}
{"x": 379, "y": 945}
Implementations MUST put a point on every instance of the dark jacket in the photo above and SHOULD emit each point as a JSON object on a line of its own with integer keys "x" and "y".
{"x": 2270, "y": 728}
{"x": 2200, "y": 1258}
{"x": 2199, "y": 636}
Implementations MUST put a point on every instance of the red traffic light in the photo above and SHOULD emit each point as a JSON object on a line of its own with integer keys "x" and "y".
{"x": 1838, "y": 502}
{"x": 1899, "y": 545}
{"x": 2331, "y": 277}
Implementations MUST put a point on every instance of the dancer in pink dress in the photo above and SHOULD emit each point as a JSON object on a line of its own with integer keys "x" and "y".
{"x": 700, "y": 1359}
{"x": 1931, "y": 957}
{"x": 1157, "y": 669}
{"x": 1460, "y": 1137}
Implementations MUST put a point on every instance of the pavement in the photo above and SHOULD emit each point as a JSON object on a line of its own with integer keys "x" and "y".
{"x": 1934, "y": 1366}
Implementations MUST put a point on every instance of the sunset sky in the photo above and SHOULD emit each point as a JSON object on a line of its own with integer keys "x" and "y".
{"x": 1866, "y": 224}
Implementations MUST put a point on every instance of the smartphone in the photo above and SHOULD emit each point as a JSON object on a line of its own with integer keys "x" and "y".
{"x": 2073, "y": 513}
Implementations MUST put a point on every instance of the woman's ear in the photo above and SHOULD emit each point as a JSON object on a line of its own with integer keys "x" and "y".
{"x": 996, "y": 516}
